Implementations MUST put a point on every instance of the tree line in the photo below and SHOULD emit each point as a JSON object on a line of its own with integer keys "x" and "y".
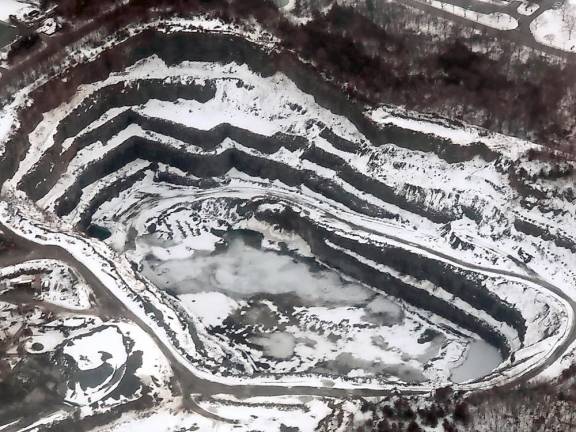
{"x": 478, "y": 78}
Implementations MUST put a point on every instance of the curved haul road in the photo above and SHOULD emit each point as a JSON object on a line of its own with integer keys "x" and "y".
{"x": 192, "y": 384}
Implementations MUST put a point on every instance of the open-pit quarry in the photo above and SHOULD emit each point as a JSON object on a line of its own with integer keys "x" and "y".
{"x": 224, "y": 241}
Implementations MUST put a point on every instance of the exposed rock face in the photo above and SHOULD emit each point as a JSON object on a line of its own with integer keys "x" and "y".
{"x": 186, "y": 116}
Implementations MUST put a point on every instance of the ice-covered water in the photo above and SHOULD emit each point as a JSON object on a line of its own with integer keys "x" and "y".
{"x": 481, "y": 359}
{"x": 298, "y": 317}
{"x": 241, "y": 272}
{"x": 279, "y": 345}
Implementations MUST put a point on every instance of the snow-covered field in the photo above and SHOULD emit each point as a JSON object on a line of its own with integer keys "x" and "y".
{"x": 557, "y": 27}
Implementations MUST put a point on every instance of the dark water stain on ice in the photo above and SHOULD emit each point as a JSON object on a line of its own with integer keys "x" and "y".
{"x": 98, "y": 232}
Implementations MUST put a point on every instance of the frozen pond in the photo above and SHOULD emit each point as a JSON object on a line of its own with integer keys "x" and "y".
{"x": 287, "y": 315}
{"x": 242, "y": 271}
{"x": 481, "y": 359}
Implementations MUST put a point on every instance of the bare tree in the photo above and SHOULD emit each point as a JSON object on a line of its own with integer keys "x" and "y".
{"x": 569, "y": 19}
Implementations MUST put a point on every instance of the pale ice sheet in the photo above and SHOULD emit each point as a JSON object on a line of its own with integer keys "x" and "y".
{"x": 481, "y": 359}
{"x": 243, "y": 272}
{"x": 343, "y": 326}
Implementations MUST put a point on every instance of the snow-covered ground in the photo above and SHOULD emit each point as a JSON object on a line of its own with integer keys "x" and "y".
{"x": 15, "y": 7}
{"x": 557, "y": 27}
{"x": 303, "y": 414}
{"x": 528, "y": 8}
{"x": 170, "y": 230}
{"x": 100, "y": 358}
{"x": 88, "y": 368}
{"x": 244, "y": 98}
{"x": 58, "y": 284}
